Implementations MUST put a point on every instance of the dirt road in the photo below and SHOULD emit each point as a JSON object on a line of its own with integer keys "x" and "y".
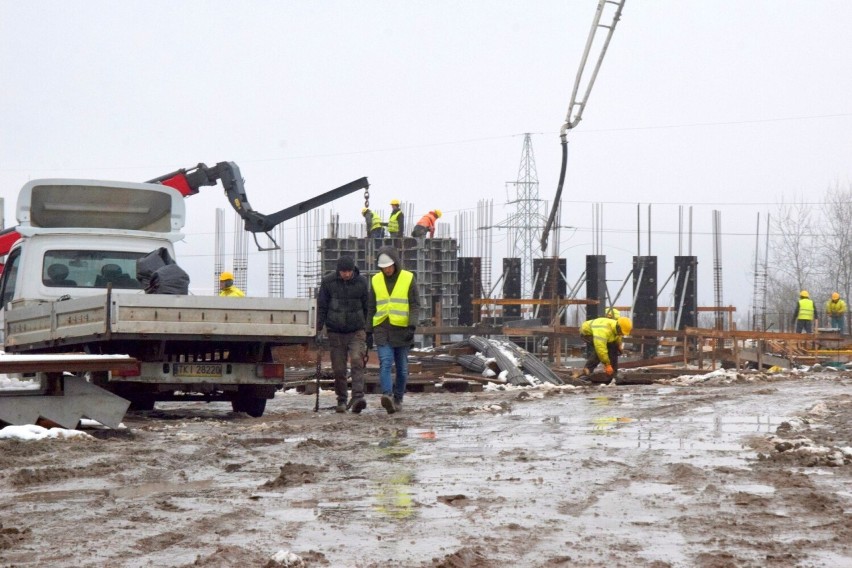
{"x": 654, "y": 475}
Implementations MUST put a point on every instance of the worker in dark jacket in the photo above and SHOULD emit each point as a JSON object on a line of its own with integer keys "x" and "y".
{"x": 805, "y": 314}
{"x": 342, "y": 311}
{"x": 392, "y": 311}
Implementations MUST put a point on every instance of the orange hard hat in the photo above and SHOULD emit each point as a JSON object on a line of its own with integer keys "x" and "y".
{"x": 835, "y": 296}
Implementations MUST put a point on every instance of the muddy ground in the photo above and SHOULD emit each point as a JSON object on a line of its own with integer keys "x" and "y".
{"x": 749, "y": 471}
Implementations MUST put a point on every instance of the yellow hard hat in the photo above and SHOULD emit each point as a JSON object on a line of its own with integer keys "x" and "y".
{"x": 225, "y": 276}
{"x": 394, "y": 201}
{"x": 804, "y": 294}
{"x": 835, "y": 296}
{"x": 438, "y": 213}
{"x": 626, "y": 325}
{"x": 364, "y": 210}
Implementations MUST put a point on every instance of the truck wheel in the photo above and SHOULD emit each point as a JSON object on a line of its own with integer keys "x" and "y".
{"x": 141, "y": 402}
{"x": 251, "y": 405}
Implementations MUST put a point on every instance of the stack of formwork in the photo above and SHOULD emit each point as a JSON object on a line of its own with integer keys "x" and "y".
{"x": 433, "y": 261}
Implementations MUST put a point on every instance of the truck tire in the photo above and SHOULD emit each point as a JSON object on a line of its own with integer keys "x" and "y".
{"x": 141, "y": 402}
{"x": 247, "y": 401}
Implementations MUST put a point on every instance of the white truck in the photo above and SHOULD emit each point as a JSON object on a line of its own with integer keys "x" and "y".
{"x": 69, "y": 285}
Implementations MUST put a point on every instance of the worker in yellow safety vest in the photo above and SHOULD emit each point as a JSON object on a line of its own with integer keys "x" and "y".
{"x": 374, "y": 223}
{"x": 393, "y": 306}
{"x": 396, "y": 221}
{"x": 226, "y": 286}
{"x": 805, "y": 314}
{"x": 605, "y": 337}
{"x": 835, "y": 309}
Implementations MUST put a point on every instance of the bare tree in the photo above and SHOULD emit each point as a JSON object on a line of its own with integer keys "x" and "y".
{"x": 793, "y": 260}
{"x": 836, "y": 241}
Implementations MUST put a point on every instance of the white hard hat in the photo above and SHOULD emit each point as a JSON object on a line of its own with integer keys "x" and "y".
{"x": 385, "y": 261}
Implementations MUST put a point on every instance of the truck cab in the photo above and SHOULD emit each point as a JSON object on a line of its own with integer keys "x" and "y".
{"x": 80, "y": 236}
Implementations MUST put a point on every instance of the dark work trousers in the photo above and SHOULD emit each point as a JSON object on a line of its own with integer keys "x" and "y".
{"x": 592, "y": 359}
{"x": 351, "y": 346}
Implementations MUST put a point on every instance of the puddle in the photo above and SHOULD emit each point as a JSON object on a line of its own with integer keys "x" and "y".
{"x": 752, "y": 488}
{"x": 146, "y": 489}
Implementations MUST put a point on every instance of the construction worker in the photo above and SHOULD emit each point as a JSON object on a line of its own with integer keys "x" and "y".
{"x": 396, "y": 221}
{"x": 604, "y": 335}
{"x": 393, "y": 306}
{"x": 226, "y": 286}
{"x": 342, "y": 318}
{"x": 805, "y": 314}
{"x": 835, "y": 309}
{"x": 427, "y": 224}
{"x": 374, "y": 224}
{"x": 612, "y": 313}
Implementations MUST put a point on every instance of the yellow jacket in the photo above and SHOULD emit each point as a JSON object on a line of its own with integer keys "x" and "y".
{"x": 835, "y": 309}
{"x": 602, "y": 331}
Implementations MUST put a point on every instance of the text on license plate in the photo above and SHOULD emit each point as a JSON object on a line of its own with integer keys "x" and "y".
{"x": 198, "y": 369}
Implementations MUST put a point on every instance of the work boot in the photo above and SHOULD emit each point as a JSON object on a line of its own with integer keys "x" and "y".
{"x": 358, "y": 405}
{"x": 387, "y": 404}
{"x": 341, "y": 407}
{"x": 397, "y": 404}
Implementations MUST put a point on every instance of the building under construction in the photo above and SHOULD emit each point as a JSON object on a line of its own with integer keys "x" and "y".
{"x": 532, "y": 297}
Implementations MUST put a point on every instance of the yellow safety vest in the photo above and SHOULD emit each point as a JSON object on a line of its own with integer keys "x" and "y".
{"x": 392, "y": 306}
{"x": 376, "y": 221}
{"x": 393, "y": 224}
{"x": 806, "y": 309}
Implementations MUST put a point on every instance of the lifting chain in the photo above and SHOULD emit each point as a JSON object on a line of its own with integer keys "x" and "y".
{"x": 367, "y": 197}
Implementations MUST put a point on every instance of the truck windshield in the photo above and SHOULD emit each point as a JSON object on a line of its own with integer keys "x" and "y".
{"x": 90, "y": 269}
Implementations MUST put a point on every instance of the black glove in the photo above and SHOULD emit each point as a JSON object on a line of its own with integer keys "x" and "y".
{"x": 369, "y": 341}
{"x": 322, "y": 337}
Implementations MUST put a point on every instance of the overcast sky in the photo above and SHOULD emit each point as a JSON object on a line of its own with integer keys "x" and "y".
{"x": 724, "y": 105}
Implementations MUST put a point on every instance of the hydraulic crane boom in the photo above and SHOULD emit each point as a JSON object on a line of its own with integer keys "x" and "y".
{"x": 188, "y": 182}
{"x": 576, "y": 106}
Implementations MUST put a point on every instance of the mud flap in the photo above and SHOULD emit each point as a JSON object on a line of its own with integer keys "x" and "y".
{"x": 80, "y": 399}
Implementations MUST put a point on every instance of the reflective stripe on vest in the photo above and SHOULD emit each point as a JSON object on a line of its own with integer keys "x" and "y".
{"x": 393, "y": 224}
{"x": 392, "y": 306}
{"x": 806, "y": 309}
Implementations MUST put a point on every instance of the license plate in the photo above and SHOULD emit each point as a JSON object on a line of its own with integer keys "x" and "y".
{"x": 197, "y": 369}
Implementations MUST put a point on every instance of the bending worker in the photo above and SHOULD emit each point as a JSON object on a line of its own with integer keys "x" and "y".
{"x": 427, "y": 224}
{"x": 374, "y": 223}
{"x": 604, "y": 335}
{"x": 226, "y": 286}
{"x": 805, "y": 313}
{"x": 396, "y": 221}
{"x": 835, "y": 309}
